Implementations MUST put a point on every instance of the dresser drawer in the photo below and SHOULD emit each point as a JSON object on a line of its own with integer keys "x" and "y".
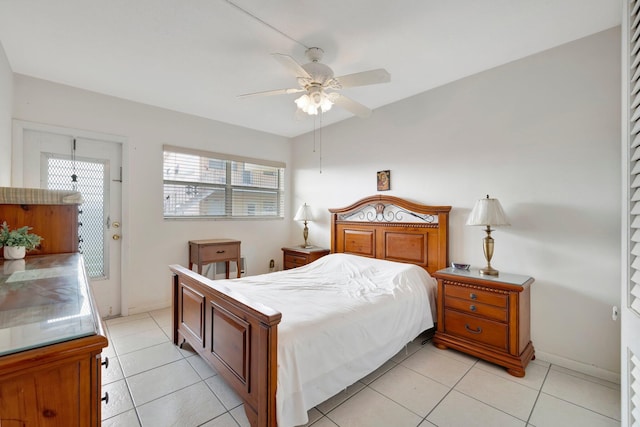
{"x": 222, "y": 252}
{"x": 476, "y": 328}
{"x": 477, "y": 308}
{"x": 476, "y": 295}
{"x": 293, "y": 261}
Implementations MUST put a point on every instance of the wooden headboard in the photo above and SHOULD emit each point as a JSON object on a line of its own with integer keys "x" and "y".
{"x": 394, "y": 229}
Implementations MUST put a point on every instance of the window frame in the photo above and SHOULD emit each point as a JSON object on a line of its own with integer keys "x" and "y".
{"x": 228, "y": 187}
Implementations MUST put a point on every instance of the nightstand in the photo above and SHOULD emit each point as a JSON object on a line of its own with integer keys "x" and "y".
{"x": 297, "y": 256}
{"x": 210, "y": 251}
{"x": 486, "y": 316}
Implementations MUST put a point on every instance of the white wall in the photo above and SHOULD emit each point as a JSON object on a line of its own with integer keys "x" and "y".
{"x": 152, "y": 243}
{"x": 6, "y": 105}
{"x": 542, "y": 135}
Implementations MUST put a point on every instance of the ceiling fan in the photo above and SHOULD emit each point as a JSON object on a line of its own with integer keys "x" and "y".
{"x": 320, "y": 87}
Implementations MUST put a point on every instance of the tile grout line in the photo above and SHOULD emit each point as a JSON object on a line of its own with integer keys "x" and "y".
{"x": 574, "y": 403}
{"x": 126, "y": 383}
{"x": 125, "y": 377}
{"x": 487, "y": 404}
{"x": 568, "y": 372}
{"x": 446, "y": 394}
{"x": 535, "y": 402}
{"x": 182, "y": 357}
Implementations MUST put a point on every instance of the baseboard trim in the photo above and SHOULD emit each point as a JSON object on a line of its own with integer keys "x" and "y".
{"x": 584, "y": 368}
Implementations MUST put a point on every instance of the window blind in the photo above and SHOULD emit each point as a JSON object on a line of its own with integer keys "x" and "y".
{"x": 200, "y": 184}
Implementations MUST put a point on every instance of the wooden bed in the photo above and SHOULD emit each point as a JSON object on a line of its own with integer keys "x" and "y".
{"x": 239, "y": 338}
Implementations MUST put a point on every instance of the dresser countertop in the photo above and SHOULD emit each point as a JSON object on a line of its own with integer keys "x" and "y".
{"x": 44, "y": 300}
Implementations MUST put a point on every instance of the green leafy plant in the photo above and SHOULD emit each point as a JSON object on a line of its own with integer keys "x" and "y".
{"x": 18, "y": 237}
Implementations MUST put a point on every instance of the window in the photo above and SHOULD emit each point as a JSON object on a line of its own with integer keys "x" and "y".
{"x": 199, "y": 184}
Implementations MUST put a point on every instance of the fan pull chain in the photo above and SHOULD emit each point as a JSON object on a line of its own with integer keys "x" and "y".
{"x": 321, "y": 114}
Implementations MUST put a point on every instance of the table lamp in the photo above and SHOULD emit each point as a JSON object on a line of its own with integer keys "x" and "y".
{"x": 304, "y": 214}
{"x": 488, "y": 212}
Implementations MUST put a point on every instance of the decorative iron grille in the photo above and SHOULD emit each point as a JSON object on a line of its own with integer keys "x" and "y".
{"x": 92, "y": 183}
{"x": 380, "y": 212}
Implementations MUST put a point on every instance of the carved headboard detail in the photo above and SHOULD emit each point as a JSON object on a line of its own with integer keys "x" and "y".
{"x": 392, "y": 228}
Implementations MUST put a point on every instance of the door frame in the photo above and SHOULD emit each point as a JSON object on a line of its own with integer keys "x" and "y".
{"x": 17, "y": 157}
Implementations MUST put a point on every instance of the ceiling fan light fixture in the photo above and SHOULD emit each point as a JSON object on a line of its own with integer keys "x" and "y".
{"x": 314, "y": 78}
{"x": 326, "y": 104}
{"x": 303, "y": 102}
{"x": 312, "y": 102}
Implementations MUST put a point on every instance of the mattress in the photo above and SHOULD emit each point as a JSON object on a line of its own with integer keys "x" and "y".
{"x": 343, "y": 316}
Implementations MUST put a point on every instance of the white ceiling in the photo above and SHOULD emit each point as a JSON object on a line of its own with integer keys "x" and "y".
{"x": 196, "y": 56}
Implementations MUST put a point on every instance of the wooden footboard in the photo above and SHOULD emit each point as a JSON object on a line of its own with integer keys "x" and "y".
{"x": 237, "y": 337}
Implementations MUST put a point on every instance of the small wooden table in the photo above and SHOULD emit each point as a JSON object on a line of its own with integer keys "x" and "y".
{"x": 203, "y": 252}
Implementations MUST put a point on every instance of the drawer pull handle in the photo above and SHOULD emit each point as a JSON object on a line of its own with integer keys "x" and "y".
{"x": 477, "y": 331}
{"x": 473, "y": 296}
{"x": 105, "y": 363}
{"x": 105, "y": 399}
{"x": 472, "y": 307}
{"x": 220, "y": 252}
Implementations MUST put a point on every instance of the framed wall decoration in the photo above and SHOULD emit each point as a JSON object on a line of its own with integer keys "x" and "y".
{"x": 384, "y": 180}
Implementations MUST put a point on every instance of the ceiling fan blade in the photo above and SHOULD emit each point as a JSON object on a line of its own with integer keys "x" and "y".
{"x": 364, "y": 78}
{"x": 272, "y": 92}
{"x": 291, "y": 64}
{"x": 352, "y": 106}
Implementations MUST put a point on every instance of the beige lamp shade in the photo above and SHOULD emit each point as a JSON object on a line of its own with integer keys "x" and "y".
{"x": 488, "y": 212}
{"x": 304, "y": 213}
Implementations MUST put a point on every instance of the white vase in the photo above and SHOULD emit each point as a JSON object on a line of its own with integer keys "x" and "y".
{"x": 14, "y": 252}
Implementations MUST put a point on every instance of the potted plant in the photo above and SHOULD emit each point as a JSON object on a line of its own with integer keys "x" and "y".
{"x": 17, "y": 242}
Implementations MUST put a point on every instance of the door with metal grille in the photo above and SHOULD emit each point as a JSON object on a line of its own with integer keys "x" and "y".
{"x": 91, "y": 167}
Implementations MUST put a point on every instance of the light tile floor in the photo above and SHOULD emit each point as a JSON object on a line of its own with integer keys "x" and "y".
{"x": 151, "y": 382}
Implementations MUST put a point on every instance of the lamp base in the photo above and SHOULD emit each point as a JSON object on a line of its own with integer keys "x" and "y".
{"x": 489, "y": 271}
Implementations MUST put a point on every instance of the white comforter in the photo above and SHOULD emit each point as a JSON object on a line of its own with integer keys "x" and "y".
{"x": 342, "y": 317}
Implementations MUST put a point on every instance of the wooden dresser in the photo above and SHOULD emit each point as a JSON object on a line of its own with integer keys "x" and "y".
{"x": 485, "y": 316}
{"x": 297, "y": 255}
{"x": 51, "y": 340}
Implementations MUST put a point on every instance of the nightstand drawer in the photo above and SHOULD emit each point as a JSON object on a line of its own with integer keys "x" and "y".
{"x": 293, "y": 261}
{"x": 298, "y": 256}
{"x": 476, "y": 295}
{"x": 477, "y": 308}
{"x": 219, "y": 252}
{"x": 476, "y": 329}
